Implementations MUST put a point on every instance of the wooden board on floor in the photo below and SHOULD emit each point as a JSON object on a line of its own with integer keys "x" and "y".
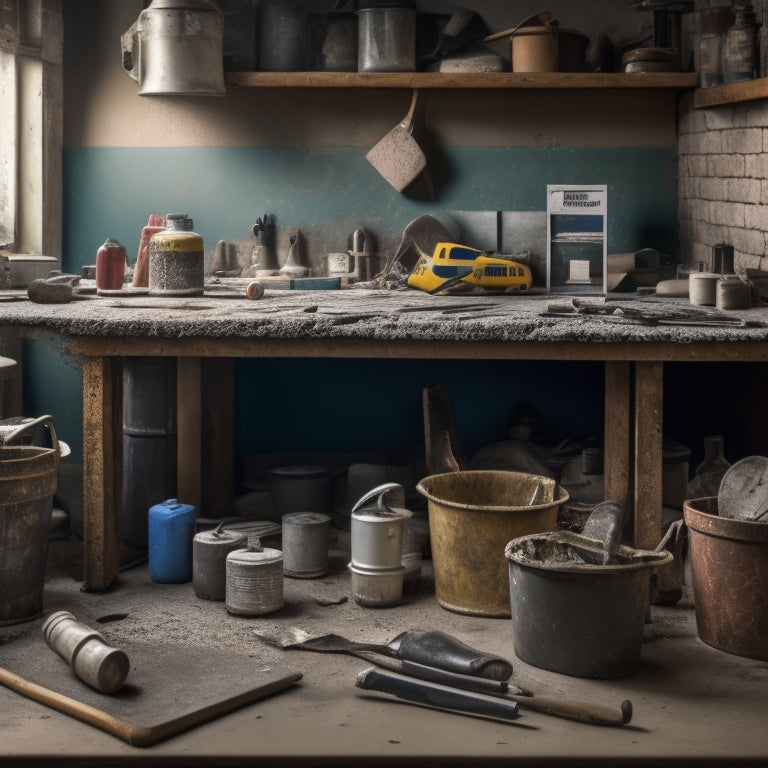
{"x": 166, "y": 684}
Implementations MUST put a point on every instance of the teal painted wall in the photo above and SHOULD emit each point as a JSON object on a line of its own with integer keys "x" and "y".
{"x": 362, "y": 405}
{"x": 110, "y": 191}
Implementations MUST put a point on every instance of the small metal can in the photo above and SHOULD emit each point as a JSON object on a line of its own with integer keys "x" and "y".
{"x": 377, "y": 538}
{"x": 375, "y": 587}
{"x": 209, "y": 561}
{"x": 306, "y": 537}
{"x": 254, "y": 581}
{"x": 176, "y": 259}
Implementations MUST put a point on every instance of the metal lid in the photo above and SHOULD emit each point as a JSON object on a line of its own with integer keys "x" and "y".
{"x": 178, "y": 222}
{"x": 300, "y": 470}
{"x": 184, "y": 5}
{"x": 255, "y": 556}
{"x": 306, "y": 518}
{"x": 364, "y": 5}
{"x": 382, "y": 503}
{"x": 387, "y": 515}
{"x": 215, "y": 537}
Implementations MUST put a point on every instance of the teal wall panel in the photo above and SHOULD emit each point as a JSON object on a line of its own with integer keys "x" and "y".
{"x": 53, "y": 384}
{"x": 109, "y": 191}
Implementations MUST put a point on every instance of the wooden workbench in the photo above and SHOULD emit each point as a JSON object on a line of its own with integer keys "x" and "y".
{"x": 362, "y": 323}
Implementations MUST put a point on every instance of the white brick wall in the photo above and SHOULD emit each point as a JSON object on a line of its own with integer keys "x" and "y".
{"x": 723, "y": 180}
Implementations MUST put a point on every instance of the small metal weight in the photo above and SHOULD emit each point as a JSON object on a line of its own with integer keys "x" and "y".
{"x": 96, "y": 663}
{"x": 254, "y": 581}
{"x": 305, "y": 544}
{"x": 209, "y": 561}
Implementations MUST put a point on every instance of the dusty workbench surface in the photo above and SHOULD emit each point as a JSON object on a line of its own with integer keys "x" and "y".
{"x": 400, "y": 316}
{"x": 692, "y": 703}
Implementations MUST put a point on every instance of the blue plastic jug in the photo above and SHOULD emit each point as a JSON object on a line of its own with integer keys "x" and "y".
{"x": 171, "y": 531}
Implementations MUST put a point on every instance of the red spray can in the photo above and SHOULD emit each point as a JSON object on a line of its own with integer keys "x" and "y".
{"x": 110, "y": 266}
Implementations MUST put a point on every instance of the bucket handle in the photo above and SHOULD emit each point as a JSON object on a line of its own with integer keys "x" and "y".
{"x": 129, "y": 45}
{"x": 546, "y": 20}
{"x": 673, "y": 532}
{"x": 59, "y": 446}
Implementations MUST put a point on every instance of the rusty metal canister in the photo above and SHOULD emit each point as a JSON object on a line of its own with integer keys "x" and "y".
{"x": 729, "y": 567}
{"x": 176, "y": 259}
{"x": 209, "y": 561}
{"x": 306, "y": 538}
{"x": 254, "y": 581}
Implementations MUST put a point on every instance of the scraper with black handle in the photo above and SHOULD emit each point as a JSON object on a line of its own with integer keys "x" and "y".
{"x": 430, "y": 647}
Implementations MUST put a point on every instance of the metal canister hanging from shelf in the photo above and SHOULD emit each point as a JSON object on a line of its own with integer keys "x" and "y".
{"x": 740, "y": 50}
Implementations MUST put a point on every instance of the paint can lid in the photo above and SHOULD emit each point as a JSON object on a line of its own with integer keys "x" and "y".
{"x": 306, "y": 519}
{"x": 255, "y": 555}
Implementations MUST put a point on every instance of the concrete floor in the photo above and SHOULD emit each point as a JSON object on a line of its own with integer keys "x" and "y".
{"x": 693, "y": 705}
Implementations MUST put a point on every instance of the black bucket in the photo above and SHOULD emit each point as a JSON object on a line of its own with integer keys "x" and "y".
{"x": 574, "y": 617}
{"x": 28, "y": 478}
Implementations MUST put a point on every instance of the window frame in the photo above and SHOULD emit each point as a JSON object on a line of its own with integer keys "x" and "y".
{"x": 31, "y": 95}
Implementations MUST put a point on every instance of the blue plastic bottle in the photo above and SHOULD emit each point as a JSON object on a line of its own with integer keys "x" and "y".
{"x": 171, "y": 531}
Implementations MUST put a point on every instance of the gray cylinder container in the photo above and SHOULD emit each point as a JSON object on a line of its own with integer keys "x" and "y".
{"x": 209, "y": 561}
{"x": 306, "y": 537}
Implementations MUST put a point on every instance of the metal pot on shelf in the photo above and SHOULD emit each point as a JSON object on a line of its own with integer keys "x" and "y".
{"x": 176, "y": 48}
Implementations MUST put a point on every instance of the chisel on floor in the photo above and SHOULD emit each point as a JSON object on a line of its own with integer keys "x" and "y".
{"x": 435, "y": 695}
{"x": 580, "y": 711}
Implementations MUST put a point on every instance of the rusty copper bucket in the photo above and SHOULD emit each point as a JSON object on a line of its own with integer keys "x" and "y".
{"x": 729, "y": 564}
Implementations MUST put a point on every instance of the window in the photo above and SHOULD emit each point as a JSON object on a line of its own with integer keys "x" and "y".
{"x": 31, "y": 128}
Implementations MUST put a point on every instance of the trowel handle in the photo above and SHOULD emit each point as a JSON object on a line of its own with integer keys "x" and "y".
{"x": 437, "y": 649}
{"x": 434, "y": 695}
{"x": 408, "y": 119}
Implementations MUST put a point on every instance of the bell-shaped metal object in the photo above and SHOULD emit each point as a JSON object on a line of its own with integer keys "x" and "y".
{"x": 176, "y": 48}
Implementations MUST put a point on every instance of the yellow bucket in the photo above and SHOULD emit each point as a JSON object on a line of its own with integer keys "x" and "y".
{"x": 472, "y": 516}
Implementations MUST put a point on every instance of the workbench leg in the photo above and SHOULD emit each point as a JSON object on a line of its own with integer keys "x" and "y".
{"x": 618, "y": 431}
{"x": 206, "y": 444}
{"x": 102, "y": 404}
{"x": 649, "y": 385}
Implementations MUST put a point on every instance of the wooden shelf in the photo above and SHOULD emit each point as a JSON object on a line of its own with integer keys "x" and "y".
{"x": 732, "y": 93}
{"x": 668, "y": 80}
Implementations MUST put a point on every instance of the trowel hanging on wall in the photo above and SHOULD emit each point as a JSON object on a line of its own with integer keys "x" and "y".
{"x": 398, "y": 157}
